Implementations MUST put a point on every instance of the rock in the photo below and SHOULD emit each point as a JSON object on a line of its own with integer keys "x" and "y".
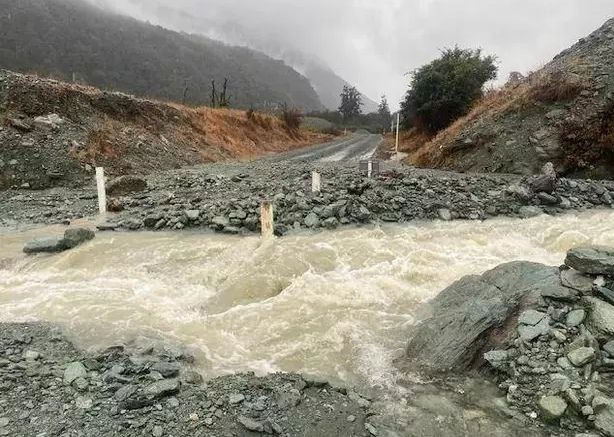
{"x": 604, "y": 420}
{"x": 192, "y": 214}
{"x": 20, "y": 125}
{"x": 165, "y": 387}
{"x": 606, "y": 294}
{"x": 593, "y": 260}
{"x": 576, "y": 280}
{"x": 157, "y": 431}
{"x": 125, "y": 392}
{"x": 250, "y": 424}
{"x": 531, "y": 317}
{"x": 470, "y": 316}
{"x": 220, "y": 222}
{"x": 444, "y": 214}
{"x": 546, "y": 182}
{"x": 526, "y": 212}
{"x": 575, "y": 318}
{"x": 600, "y": 315}
{"x": 312, "y": 220}
{"x": 581, "y": 356}
{"x": 31, "y": 355}
{"x": 609, "y": 348}
{"x": 83, "y": 403}
{"x": 497, "y": 358}
{"x": 529, "y": 333}
{"x": 236, "y": 398}
{"x": 552, "y": 408}
{"x": 76, "y": 237}
{"x": 50, "y": 121}
{"x": 125, "y": 185}
{"x": 190, "y": 377}
{"x": 73, "y": 371}
{"x": 45, "y": 245}
{"x": 167, "y": 370}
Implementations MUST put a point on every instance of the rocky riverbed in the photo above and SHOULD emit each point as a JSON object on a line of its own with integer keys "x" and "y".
{"x": 48, "y": 388}
{"x": 544, "y": 334}
{"x": 226, "y": 197}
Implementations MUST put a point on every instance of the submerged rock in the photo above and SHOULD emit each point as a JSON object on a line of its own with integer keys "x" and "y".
{"x": 71, "y": 239}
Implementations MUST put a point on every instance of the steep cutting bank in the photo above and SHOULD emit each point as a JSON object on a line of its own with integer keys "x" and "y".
{"x": 53, "y": 133}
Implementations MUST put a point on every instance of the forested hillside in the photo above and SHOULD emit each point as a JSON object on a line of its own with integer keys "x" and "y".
{"x": 70, "y": 39}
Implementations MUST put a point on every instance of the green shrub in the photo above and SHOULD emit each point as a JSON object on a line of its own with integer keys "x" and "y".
{"x": 445, "y": 89}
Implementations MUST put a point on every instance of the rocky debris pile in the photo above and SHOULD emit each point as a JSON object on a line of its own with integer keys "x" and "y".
{"x": 560, "y": 113}
{"x": 71, "y": 239}
{"x": 547, "y": 335}
{"x": 226, "y": 198}
{"x": 51, "y": 388}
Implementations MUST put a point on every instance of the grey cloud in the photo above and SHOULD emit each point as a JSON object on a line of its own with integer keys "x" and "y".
{"x": 373, "y": 43}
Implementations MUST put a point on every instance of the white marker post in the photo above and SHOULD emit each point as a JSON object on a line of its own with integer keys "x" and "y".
{"x": 102, "y": 194}
{"x": 369, "y": 169}
{"x": 316, "y": 182}
{"x": 396, "y": 148}
{"x": 267, "y": 229}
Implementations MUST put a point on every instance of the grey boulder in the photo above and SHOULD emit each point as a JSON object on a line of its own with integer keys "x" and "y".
{"x": 473, "y": 315}
{"x": 593, "y": 260}
{"x": 45, "y": 245}
{"x": 125, "y": 185}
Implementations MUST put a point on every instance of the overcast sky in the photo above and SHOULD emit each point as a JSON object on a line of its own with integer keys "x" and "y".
{"x": 373, "y": 43}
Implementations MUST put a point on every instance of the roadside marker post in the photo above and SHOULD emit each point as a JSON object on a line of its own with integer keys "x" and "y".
{"x": 316, "y": 182}
{"x": 396, "y": 147}
{"x": 267, "y": 229}
{"x": 370, "y": 169}
{"x": 102, "y": 193}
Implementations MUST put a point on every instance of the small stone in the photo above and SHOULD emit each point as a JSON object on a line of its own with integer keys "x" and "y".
{"x": 192, "y": 214}
{"x": 4, "y": 421}
{"x": 601, "y": 316}
{"x": 529, "y": 333}
{"x": 312, "y": 220}
{"x": 73, "y": 371}
{"x": 84, "y": 403}
{"x": 31, "y": 355}
{"x": 236, "y": 398}
{"x": 157, "y": 431}
{"x": 167, "y": 370}
{"x": 250, "y": 424}
{"x": 351, "y": 418}
{"x": 552, "y": 407}
{"x": 581, "y": 356}
{"x": 194, "y": 417}
{"x": 587, "y": 410}
{"x": 531, "y": 317}
{"x": 372, "y": 430}
{"x": 444, "y": 214}
{"x": 163, "y": 388}
{"x": 575, "y": 318}
{"x": 497, "y": 358}
{"x": 609, "y": 348}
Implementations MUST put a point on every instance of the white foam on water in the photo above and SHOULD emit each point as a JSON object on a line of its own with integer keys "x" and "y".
{"x": 337, "y": 304}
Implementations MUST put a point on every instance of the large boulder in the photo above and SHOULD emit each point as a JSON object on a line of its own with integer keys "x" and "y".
{"x": 546, "y": 182}
{"x": 125, "y": 185}
{"x": 476, "y": 314}
{"x": 593, "y": 260}
{"x": 71, "y": 239}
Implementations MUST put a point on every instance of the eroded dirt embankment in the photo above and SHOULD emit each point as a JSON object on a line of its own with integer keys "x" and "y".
{"x": 53, "y": 133}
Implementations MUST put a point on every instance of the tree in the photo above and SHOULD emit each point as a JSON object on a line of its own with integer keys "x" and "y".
{"x": 351, "y": 103}
{"x": 445, "y": 89}
{"x": 384, "y": 112}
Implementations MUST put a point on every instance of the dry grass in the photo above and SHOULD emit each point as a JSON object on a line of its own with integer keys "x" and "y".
{"x": 543, "y": 87}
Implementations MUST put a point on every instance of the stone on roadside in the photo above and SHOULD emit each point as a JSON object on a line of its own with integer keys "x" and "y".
{"x": 531, "y": 317}
{"x": 163, "y": 388}
{"x": 125, "y": 185}
{"x": 575, "y": 318}
{"x": 529, "y": 333}
{"x": 593, "y": 260}
{"x": 192, "y": 214}
{"x": 73, "y": 371}
{"x": 497, "y": 358}
{"x": 552, "y": 408}
{"x": 250, "y": 424}
{"x": 166, "y": 369}
{"x": 312, "y": 220}
{"x": 50, "y": 121}
{"x": 236, "y": 398}
{"x": 83, "y": 403}
{"x": 581, "y": 356}
{"x": 444, "y": 214}
{"x": 600, "y": 315}
{"x": 31, "y": 355}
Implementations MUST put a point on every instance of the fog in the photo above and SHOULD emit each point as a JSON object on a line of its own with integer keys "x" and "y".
{"x": 374, "y": 44}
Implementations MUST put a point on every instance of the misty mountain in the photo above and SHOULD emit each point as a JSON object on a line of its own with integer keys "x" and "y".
{"x": 73, "y": 39}
{"x": 324, "y": 80}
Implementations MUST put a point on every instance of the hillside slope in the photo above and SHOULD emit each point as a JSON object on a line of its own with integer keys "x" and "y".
{"x": 53, "y": 133}
{"x": 327, "y": 84}
{"x": 73, "y": 39}
{"x": 563, "y": 113}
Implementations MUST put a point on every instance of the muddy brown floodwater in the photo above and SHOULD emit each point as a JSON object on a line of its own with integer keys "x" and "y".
{"x": 336, "y": 304}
